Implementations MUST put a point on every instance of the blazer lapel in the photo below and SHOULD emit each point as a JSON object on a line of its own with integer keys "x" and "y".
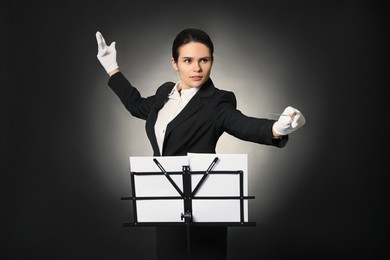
{"x": 194, "y": 105}
{"x": 151, "y": 120}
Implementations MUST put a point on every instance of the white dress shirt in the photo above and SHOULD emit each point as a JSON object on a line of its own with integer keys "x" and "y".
{"x": 176, "y": 102}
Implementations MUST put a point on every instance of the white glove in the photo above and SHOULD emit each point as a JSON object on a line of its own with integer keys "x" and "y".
{"x": 290, "y": 120}
{"x": 106, "y": 54}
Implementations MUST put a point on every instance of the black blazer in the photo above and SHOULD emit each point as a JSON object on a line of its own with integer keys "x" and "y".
{"x": 197, "y": 128}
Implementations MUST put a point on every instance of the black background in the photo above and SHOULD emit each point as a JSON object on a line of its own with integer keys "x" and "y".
{"x": 54, "y": 204}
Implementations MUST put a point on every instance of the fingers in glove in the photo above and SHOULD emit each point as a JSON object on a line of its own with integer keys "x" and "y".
{"x": 101, "y": 42}
{"x": 290, "y": 111}
{"x": 112, "y": 46}
{"x": 299, "y": 120}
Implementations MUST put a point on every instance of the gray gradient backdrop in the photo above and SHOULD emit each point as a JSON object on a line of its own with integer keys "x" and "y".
{"x": 68, "y": 138}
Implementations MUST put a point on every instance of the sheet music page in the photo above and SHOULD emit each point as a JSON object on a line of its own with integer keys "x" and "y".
{"x": 169, "y": 210}
{"x": 158, "y": 185}
{"x": 219, "y": 185}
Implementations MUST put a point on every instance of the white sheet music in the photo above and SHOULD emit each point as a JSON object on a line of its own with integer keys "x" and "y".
{"x": 169, "y": 210}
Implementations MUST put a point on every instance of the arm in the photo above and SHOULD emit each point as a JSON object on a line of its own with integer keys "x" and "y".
{"x": 259, "y": 130}
{"x": 129, "y": 95}
{"x": 232, "y": 121}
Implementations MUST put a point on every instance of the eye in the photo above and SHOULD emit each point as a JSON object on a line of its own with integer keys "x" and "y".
{"x": 205, "y": 60}
{"x": 187, "y": 60}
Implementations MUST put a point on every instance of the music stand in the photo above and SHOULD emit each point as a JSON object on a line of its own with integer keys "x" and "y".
{"x": 193, "y": 190}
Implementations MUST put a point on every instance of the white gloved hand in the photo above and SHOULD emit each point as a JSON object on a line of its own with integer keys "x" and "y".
{"x": 290, "y": 120}
{"x": 106, "y": 54}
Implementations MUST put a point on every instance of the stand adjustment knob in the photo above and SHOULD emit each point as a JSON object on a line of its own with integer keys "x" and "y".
{"x": 187, "y": 216}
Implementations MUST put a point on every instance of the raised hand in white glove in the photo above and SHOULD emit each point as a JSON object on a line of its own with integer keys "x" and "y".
{"x": 106, "y": 54}
{"x": 290, "y": 120}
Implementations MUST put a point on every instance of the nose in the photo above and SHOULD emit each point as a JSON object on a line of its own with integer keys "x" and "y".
{"x": 197, "y": 66}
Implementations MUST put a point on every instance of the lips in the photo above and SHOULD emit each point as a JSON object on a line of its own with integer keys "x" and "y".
{"x": 196, "y": 78}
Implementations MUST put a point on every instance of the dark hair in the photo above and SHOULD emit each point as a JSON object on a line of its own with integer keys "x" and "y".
{"x": 191, "y": 35}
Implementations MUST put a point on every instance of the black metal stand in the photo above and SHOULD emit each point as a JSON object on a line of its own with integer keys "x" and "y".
{"x": 187, "y": 215}
{"x": 187, "y": 195}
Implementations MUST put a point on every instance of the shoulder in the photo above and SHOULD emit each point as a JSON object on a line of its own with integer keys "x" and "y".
{"x": 165, "y": 88}
{"x": 218, "y": 96}
{"x": 222, "y": 92}
{"x": 209, "y": 90}
{"x": 225, "y": 95}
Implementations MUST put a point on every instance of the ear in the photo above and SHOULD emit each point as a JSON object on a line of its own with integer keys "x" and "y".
{"x": 174, "y": 65}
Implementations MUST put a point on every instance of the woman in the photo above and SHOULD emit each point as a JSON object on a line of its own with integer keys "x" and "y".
{"x": 189, "y": 117}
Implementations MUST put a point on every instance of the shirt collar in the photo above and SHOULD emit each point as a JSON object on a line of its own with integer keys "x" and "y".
{"x": 184, "y": 93}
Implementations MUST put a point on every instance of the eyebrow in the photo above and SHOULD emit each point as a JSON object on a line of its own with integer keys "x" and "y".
{"x": 205, "y": 57}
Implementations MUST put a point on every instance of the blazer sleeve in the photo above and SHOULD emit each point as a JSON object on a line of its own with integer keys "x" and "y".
{"x": 130, "y": 97}
{"x": 234, "y": 122}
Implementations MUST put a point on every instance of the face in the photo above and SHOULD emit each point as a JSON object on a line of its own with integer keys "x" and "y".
{"x": 193, "y": 65}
